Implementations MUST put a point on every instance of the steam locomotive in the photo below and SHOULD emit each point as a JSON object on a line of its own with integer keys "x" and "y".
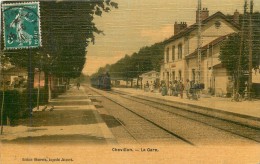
{"x": 102, "y": 81}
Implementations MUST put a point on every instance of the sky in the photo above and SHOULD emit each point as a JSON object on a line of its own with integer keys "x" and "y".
{"x": 139, "y": 23}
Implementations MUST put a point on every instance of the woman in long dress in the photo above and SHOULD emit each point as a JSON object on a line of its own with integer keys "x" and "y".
{"x": 18, "y": 24}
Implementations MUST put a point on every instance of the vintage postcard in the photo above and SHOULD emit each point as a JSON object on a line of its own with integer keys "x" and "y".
{"x": 127, "y": 81}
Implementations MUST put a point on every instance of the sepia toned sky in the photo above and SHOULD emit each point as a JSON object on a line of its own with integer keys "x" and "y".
{"x": 138, "y": 23}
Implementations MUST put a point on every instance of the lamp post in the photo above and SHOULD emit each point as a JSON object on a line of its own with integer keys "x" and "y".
{"x": 3, "y": 100}
{"x": 2, "y": 71}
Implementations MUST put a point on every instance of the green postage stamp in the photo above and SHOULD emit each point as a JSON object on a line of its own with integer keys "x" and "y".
{"x": 21, "y": 25}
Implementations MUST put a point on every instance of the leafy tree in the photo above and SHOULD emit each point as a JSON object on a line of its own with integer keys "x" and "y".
{"x": 67, "y": 30}
{"x": 230, "y": 50}
{"x": 229, "y": 54}
{"x": 146, "y": 59}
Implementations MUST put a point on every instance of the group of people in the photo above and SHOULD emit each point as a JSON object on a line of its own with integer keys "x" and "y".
{"x": 177, "y": 88}
{"x": 150, "y": 87}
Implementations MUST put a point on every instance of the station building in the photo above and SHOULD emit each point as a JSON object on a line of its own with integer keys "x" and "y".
{"x": 181, "y": 56}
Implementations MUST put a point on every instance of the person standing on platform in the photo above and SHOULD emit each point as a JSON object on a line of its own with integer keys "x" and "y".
{"x": 146, "y": 87}
{"x": 163, "y": 89}
{"x": 170, "y": 89}
{"x": 151, "y": 87}
{"x": 181, "y": 89}
{"x": 187, "y": 88}
{"x": 175, "y": 90}
{"x": 78, "y": 85}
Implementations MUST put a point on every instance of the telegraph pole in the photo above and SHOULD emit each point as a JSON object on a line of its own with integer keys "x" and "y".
{"x": 199, "y": 42}
{"x": 250, "y": 40}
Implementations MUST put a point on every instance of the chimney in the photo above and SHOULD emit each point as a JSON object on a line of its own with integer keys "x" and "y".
{"x": 204, "y": 14}
{"x": 236, "y": 17}
{"x": 179, "y": 26}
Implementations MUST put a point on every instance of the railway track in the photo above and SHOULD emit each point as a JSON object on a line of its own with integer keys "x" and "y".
{"x": 248, "y": 132}
{"x": 240, "y": 131}
{"x": 151, "y": 122}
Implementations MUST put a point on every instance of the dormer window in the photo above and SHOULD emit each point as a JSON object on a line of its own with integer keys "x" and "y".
{"x": 217, "y": 24}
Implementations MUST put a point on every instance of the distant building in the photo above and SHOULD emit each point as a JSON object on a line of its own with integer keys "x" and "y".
{"x": 120, "y": 82}
{"x": 256, "y": 76}
{"x": 150, "y": 77}
{"x": 181, "y": 56}
{"x": 14, "y": 77}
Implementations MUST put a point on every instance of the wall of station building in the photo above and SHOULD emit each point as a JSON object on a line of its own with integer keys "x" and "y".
{"x": 182, "y": 69}
{"x": 256, "y": 76}
{"x": 209, "y": 33}
{"x": 174, "y": 71}
{"x": 220, "y": 81}
{"x": 213, "y": 74}
{"x": 175, "y": 46}
{"x": 215, "y": 79}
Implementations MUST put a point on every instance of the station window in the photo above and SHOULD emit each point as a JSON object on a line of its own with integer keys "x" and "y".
{"x": 180, "y": 75}
{"x": 173, "y": 75}
{"x": 173, "y": 53}
{"x": 180, "y": 51}
{"x": 167, "y": 55}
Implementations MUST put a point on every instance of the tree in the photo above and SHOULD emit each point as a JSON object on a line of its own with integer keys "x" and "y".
{"x": 230, "y": 50}
{"x": 148, "y": 58}
{"x": 4, "y": 64}
{"x": 229, "y": 57}
{"x": 67, "y": 30}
